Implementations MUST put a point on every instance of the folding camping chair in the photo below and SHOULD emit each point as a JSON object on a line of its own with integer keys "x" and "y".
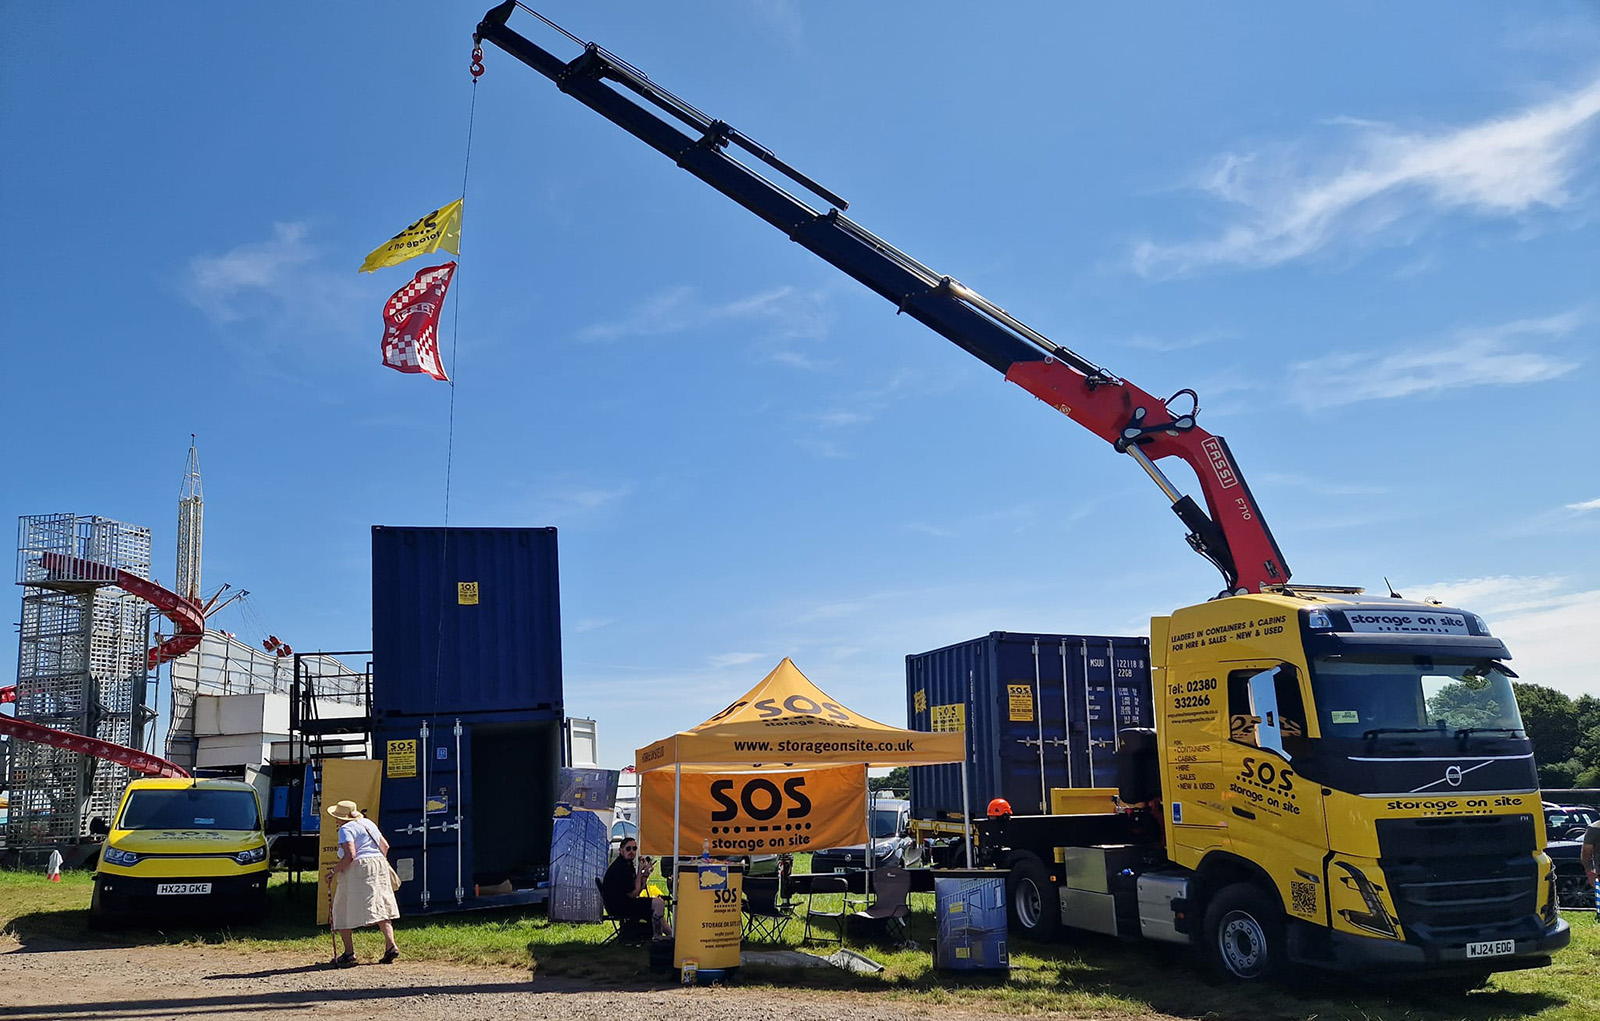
{"x": 764, "y": 918}
{"x": 827, "y": 886}
{"x": 888, "y": 909}
{"x": 624, "y": 928}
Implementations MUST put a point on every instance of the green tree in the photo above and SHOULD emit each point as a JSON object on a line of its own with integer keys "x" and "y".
{"x": 1552, "y": 720}
{"x": 897, "y": 782}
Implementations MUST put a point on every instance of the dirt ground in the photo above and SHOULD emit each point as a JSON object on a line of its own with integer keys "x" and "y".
{"x": 61, "y": 982}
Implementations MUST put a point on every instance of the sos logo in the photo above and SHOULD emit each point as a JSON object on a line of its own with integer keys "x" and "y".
{"x": 760, "y": 799}
{"x": 794, "y": 705}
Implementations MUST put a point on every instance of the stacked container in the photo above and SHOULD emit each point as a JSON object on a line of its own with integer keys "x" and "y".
{"x": 1040, "y": 712}
{"x": 467, "y": 706}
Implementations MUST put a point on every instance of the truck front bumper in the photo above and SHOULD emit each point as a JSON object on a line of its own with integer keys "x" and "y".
{"x": 1344, "y": 951}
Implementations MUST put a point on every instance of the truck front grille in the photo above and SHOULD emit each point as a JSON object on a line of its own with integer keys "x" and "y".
{"x": 1470, "y": 875}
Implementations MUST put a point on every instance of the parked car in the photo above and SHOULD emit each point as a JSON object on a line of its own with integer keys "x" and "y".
{"x": 621, "y": 830}
{"x": 1568, "y": 822}
{"x": 891, "y": 842}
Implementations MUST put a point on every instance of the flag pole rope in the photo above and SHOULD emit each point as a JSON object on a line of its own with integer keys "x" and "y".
{"x": 455, "y": 322}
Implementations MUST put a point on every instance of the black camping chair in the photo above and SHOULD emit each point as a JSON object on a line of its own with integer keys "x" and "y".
{"x": 624, "y": 928}
{"x": 764, "y": 918}
{"x": 888, "y": 909}
{"x": 827, "y": 886}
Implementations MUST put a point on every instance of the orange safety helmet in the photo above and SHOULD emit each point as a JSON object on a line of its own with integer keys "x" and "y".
{"x": 999, "y": 807}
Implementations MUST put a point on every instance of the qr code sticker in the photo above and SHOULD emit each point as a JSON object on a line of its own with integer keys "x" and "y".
{"x": 1303, "y": 898}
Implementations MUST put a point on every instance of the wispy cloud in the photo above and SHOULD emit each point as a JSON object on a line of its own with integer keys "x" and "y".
{"x": 1546, "y": 622}
{"x": 564, "y": 501}
{"x": 592, "y": 624}
{"x": 1485, "y": 356}
{"x": 727, "y": 659}
{"x": 280, "y": 278}
{"x": 1505, "y": 166}
{"x": 1587, "y": 505}
{"x": 777, "y": 316}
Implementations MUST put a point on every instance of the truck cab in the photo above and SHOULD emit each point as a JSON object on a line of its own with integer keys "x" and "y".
{"x": 1347, "y": 782}
{"x": 183, "y": 846}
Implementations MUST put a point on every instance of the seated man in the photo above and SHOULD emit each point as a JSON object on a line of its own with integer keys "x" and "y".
{"x": 622, "y": 885}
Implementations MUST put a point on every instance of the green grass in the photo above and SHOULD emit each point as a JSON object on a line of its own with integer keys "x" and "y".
{"x": 1084, "y": 975}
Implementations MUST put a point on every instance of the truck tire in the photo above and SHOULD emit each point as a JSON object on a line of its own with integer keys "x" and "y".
{"x": 1243, "y": 935}
{"x": 1035, "y": 906}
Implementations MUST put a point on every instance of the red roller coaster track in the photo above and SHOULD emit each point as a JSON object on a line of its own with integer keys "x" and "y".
{"x": 189, "y": 622}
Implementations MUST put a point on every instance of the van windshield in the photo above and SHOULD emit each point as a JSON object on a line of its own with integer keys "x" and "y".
{"x": 885, "y": 823}
{"x": 190, "y": 808}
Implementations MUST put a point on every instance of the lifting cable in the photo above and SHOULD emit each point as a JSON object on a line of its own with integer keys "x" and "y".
{"x": 476, "y": 69}
{"x": 455, "y": 322}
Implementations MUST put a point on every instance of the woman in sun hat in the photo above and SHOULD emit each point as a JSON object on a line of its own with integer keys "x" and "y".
{"x": 364, "y": 894}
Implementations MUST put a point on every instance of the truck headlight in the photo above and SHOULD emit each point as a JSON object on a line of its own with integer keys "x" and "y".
{"x": 251, "y": 856}
{"x": 119, "y": 857}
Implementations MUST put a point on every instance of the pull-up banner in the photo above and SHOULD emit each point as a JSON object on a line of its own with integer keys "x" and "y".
{"x": 755, "y": 811}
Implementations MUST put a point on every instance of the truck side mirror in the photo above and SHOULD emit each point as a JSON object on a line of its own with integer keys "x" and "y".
{"x": 1264, "y": 696}
{"x": 98, "y": 827}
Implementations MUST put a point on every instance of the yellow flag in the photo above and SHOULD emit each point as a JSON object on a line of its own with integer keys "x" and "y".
{"x": 439, "y": 229}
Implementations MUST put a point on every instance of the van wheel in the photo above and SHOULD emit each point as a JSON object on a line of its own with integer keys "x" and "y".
{"x": 1035, "y": 904}
{"x": 1244, "y": 934}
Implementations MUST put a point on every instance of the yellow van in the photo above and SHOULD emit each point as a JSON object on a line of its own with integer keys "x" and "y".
{"x": 181, "y": 846}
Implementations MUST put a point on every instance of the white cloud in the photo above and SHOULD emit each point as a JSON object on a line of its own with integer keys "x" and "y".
{"x": 1546, "y": 623}
{"x": 1502, "y": 167}
{"x": 279, "y": 279}
{"x": 728, "y": 659}
{"x": 1485, "y": 356}
{"x": 1587, "y": 505}
{"x": 783, "y": 314}
{"x": 592, "y": 624}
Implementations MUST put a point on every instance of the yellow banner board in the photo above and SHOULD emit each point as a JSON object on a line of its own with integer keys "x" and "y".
{"x": 755, "y": 811}
{"x": 357, "y": 780}
{"x": 707, "y": 923}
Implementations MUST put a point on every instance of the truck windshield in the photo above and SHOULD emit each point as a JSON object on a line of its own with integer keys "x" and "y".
{"x": 190, "y": 809}
{"x": 1370, "y": 696}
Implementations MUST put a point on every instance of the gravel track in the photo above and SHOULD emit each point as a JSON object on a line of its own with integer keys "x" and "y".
{"x": 60, "y": 982}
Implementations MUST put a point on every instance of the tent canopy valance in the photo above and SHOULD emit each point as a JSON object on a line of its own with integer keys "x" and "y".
{"x": 788, "y": 722}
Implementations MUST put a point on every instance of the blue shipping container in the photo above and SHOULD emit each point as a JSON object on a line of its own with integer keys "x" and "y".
{"x": 465, "y": 621}
{"x": 1040, "y": 711}
{"x": 468, "y": 809}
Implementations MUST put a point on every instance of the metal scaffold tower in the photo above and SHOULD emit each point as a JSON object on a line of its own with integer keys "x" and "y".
{"x": 191, "y": 527}
{"x": 81, "y": 667}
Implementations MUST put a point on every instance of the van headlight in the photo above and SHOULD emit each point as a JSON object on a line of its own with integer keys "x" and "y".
{"x": 251, "y": 856}
{"x": 119, "y": 857}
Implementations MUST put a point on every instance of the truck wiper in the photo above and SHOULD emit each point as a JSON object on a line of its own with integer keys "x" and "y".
{"x": 1372, "y": 734}
{"x": 1465, "y": 732}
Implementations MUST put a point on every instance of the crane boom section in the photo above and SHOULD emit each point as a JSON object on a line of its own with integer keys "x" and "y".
{"x": 1233, "y": 536}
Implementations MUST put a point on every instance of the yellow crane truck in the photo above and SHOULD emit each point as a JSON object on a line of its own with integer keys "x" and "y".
{"x": 1331, "y": 779}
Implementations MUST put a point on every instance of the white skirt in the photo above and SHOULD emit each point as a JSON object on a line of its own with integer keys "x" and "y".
{"x": 363, "y": 895}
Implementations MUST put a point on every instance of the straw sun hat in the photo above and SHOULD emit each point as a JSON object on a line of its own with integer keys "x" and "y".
{"x": 344, "y": 811}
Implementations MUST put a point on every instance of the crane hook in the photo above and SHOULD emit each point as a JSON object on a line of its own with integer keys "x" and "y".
{"x": 477, "y": 63}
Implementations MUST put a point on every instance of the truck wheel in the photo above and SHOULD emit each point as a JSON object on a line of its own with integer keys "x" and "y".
{"x": 1035, "y": 905}
{"x": 1244, "y": 934}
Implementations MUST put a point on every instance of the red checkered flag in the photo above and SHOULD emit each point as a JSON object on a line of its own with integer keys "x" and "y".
{"x": 411, "y": 322}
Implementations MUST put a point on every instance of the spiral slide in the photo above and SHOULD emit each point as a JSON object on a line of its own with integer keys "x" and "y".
{"x": 187, "y": 618}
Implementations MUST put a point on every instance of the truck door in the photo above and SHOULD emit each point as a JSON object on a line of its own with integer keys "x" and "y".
{"x": 1275, "y": 818}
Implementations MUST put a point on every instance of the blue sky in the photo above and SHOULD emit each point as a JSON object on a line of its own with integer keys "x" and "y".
{"x": 1365, "y": 235}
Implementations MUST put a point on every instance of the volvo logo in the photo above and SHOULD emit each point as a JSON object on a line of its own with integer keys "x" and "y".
{"x": 1452, "y": 776}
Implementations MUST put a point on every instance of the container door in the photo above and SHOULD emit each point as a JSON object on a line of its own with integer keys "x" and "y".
{"x": 1032, "y": 725}
{"x": 426, "y": 792}
{"x": 1101, "y": 713}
